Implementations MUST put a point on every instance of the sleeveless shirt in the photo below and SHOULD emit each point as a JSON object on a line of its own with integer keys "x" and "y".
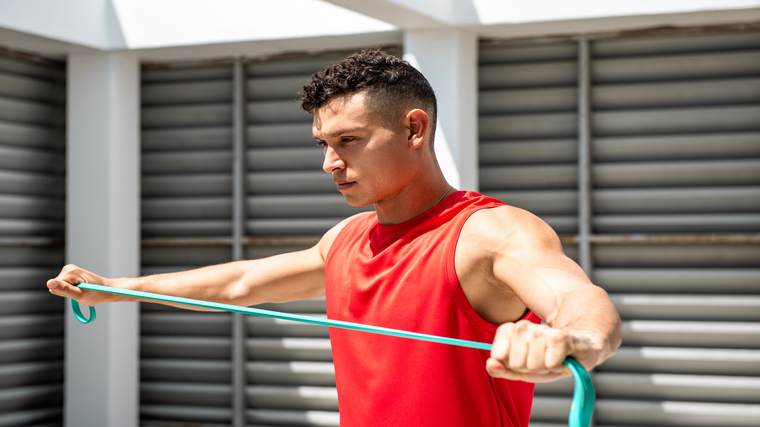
{"x": 403, "y": 276}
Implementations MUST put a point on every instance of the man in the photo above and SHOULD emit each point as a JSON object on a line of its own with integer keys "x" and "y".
{"x": 430, "y": 259}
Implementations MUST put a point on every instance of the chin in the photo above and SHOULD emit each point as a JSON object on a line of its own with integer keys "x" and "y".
{"x": 356, "y": 201}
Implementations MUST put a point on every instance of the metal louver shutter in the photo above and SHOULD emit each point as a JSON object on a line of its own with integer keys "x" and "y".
{"x": 186, "y": 356}
{"x": 674, "y": 200}
{"x": 32, "y": 185}
{"x": 290, "y": 201}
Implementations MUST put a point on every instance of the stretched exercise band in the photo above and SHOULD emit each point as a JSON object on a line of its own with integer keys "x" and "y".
{"x": 583, "y": 396}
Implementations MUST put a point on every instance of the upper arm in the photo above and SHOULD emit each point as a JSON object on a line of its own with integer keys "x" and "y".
{"x": 525, "y": 255}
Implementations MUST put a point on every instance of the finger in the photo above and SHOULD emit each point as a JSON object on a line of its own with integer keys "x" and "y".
{"x": 502, "y": 341}
{"x": 519, "y": 348}
{"x": 536, "y": 357}
{"x": 558, "y": 347}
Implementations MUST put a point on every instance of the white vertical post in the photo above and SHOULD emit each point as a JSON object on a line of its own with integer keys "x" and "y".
{"x": 449, "y": 60}
{"x": 103, "y": 234}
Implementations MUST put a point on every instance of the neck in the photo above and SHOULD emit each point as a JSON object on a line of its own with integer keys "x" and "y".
{"x": 412, "y": 201}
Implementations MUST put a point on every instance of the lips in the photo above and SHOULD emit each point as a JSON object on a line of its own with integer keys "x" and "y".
{"x": 344, "y": 185}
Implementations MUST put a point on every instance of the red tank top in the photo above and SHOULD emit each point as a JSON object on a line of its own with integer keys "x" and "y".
{"x": 402, "y": 276}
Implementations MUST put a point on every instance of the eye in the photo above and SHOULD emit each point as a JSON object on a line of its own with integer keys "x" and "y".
{"x": 346, "y": 139}
{"x": 322, "y": 144}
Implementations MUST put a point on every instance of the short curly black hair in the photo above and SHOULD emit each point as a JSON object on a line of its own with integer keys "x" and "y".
{"x": 392, "y": 85}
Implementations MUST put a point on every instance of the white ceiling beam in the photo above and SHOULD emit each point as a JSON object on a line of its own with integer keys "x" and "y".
{"x": 415, "y": 14}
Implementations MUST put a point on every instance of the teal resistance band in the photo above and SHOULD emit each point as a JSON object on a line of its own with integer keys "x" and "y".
{"x": 583, "y": 397}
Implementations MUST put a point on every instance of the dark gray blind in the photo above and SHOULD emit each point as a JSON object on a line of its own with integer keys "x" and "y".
{"x": 32, "y": 186}
{"x": 675, "y": 204}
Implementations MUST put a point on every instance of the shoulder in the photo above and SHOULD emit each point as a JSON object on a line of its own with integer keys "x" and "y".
{"x": 327, "y": 240}
{"x": 507, "y": 228}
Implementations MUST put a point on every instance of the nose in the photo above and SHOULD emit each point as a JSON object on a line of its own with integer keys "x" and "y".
{"x": 332, "y": 162}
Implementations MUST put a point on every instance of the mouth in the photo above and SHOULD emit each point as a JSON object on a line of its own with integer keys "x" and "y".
{"x": 344, "y": 185}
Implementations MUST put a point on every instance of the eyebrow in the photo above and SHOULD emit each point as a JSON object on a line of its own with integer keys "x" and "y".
{"x": 344, "y": 131}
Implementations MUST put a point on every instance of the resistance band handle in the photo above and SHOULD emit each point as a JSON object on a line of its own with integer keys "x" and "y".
{"x": 583, "y": 394}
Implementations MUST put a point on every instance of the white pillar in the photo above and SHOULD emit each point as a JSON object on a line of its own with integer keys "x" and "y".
{"x": 449, "y": 60}
{"x": 103, "y": 234}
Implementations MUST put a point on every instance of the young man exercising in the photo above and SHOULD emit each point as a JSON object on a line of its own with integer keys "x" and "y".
{"x": 430, "y": 259}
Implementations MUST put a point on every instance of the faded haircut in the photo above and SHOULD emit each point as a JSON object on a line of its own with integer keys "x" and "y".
{"x": 392, "y": 86}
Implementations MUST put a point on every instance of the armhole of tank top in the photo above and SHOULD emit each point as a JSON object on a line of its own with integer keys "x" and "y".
{"x": 456, "y": 287}
{"x": 343, "y": 233}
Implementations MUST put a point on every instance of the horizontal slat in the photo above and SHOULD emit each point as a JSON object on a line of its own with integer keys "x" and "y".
{"x": 180, "y": 324}
{"x": 684, "y": 360}
{"x": 24, "y": 206}
{"x": 296, "y": 373}
{"x": 27, "y": 350}
{"x": 677, "y": 147}
{"x": 25, "y": 398}
{"x": 528, "y": 100}
{"x": 23, "y": 418}
{"x": 675, "y": 43}
{"x": 669, "y": 413}
{"x": 186, "y": 116}
{"x": 540, "y": 202}
{"x": 676, "y": 67}
{"x": 670, "y": 174}
{"x": 267, "y": 327}
{"x": 197, "y": 185}
{"x": 709, "y": 388}
{"x": 31, "y": 183}
{"x": 270, "y": 88}
{"x": 32, "y": 136}
{"x": 691, "y": 333}
{"x": 680, "y": 120}
{"x": 178, "y": 370}
{"x": 30, "y": 302}
{"x": 279, "y": 135}
{"x": 29, "y": 88}
{"x": 20, "y": 256}
{"x": 185, "y": 347}
{"x": 205, "y": 138}
{"x": 48, "y": 70}
{"x": 189, "y": 256}
{"x": 676, "y": 200}
{"x": 291, "y": 397}
{"x": 30, "y": 227}
{"x": 491, "y": 54}
{"x": 21, "y": 111}
{"x": 153, "y": 74}
{"x": 313, "y": 305}
{"x": 676, "y": 94}
{"x": 292, "y": 182}
{"x": 301, "y": 349}
{"x": 292, "y": 417}
{"x": 31, "y": 326}
{"x": 186, "y": 228}
{"x": 187, "y": 208}
{"x": 550, "y": 73}
{"x": 677, "y": 255}
{"x": 186, "y": 92}
{"x": 550, "y": 408}
{"x": 188, "y": 413}
{"x": 683, "y": 223}
{"x": 29, "y": 159}
{"x": 287, "y": 111}
{"x": 292, "y": 159}
{"x": 291, "y": 227}
{"x": 687, "y": 307}
{"x": 199, "y": 395}
{"x": 32, "y": 373}
{"x": 521, "y": 152}
{"x": 524, "y": 177}
{"x": 206, "y": 161}
{"x": 544, "y": 125}
{"x": 678, "y": 280}
{"x": 301, "y": 205}
{"x": 25, "y": 278}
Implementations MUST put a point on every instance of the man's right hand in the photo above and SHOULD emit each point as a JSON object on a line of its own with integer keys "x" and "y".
{"x": 64, "y": 285}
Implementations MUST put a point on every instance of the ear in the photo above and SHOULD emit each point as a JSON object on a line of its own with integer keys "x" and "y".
{"x": 418, "y": 124}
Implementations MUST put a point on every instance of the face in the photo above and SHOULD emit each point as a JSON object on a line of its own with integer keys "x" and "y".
{"x": 368, "y": 161}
